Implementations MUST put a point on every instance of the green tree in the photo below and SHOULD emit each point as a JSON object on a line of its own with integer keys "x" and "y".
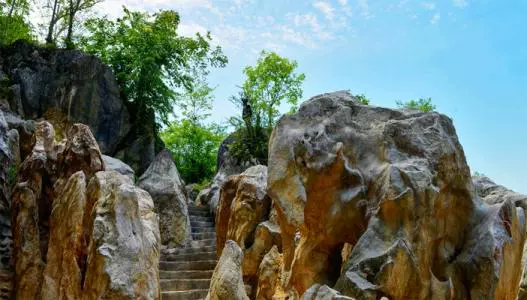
{"x": 194, "y": 144}
{"x": 267, "y": 85}
{"x": 423, "y": 104}
{"x": 72, "y": 10}
{"x": 270, "y": 82}
{"x": 152, "y": 63}
{"x": 13, "y": 21}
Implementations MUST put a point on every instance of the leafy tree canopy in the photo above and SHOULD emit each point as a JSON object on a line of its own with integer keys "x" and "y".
{"x": 152, "y": 63}
{"x": 423, "y": 104}
{"x": 362, "y": 99}
{"x": 194, "y": 144}
{"x": 13, "y": 21}
{"x": 270, "y": 82}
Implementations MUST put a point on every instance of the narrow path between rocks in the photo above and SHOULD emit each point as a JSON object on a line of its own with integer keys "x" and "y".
{"x": 185, "y": 272}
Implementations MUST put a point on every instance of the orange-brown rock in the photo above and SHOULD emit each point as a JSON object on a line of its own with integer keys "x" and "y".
{"x": 243, "y": 205}
{"x": 74, "y": 240}
{"x": 394, "y": 184}
{"x": 65, "y": 261}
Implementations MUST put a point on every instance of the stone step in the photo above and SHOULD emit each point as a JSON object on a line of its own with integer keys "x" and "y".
{"x": 202, "y": 243}
{"x": 188, "y": 250}
{"x": 207, "y": 274}
{"x": 189, "y": 256}
{"x": 200, "y": 213}
{"x": 203, "y": 229}
{"x": 201, "y": 224}
{"x": 198, "y": 265}
{"x": 204, "y": 236}
{"x": 185, "y": 295}
{"x": 184, "y": 284}
{"x": 201, "y": 219}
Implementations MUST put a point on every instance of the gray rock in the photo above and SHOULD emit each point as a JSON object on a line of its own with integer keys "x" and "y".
{"x": 115, "y": 164}
{"x": 227, "y": 282}
{"x": 123, "y": 256}
{"x": 41, "y": 82}
{"x": 6, "y": 240}
{"x": 227, "y": 166}
{"x": 164, "y": 184}
{"x": 323, "y": 292}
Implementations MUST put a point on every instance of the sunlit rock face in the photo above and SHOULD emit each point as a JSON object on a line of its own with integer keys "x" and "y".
{"x": 80, "y": 232}
{"x": 166, "y": 187}
{"x": 395, "y": 186}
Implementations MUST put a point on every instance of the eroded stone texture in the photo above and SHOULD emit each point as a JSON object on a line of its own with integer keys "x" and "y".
{"x": 227, "y": 281}
{"x": 123, "y": 253}
{"x": 396, "y": 186}
{"x": 164, "y": 184}
{"x": 243, "y": 205}
{"x": 269, "y": 273}
{"x": 66, "y": 255}
{"x": 323, "y": 292}
{"x": 74, "y": 240}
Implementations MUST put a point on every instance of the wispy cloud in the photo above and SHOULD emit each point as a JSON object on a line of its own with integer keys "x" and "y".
{"x": 435, "y": 18}
{"x": 460, "y": 3}
{"x": 365, "y": 8}
{"x": 325, "y": 8}
{"x": 429, "y": 5}
{"x": 343, "y": 2}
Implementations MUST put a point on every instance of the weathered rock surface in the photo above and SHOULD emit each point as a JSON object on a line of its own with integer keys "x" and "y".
{"x": 243, "y": 205}
{"x": 74, "y": 240}
{"x": 227, "y": 281}
{"x": 124, "y": 247}
{"x": 67, "y": 87}
{"x": 269, "y": 273}
{"x": 227, "y": 165}
{"x": 323, "y": 292}
{"x": 396, "y": 186}
{"x": 493, "y": 193}
{"x": 117, "y": 165}
{"x": 164, "y": 184}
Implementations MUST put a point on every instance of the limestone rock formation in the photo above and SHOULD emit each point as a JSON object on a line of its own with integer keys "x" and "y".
{"x": 164, "y": 184}
{"x": 323, "y": 292}
{"x": 72, "y": 87}
{"x": 394, "y": 184}
{"x": 80, "y": 232}
{"x": 115, "y": 164}
{"x": 124, "y": 247}
{"x": 227, "y": 165}
{"x": 243, "y": 205}
{"x": 227, "y": 281}
{"x": 269, "y": 273}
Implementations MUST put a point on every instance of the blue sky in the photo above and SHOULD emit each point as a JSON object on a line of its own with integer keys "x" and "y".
{"x": 470, "y": 56}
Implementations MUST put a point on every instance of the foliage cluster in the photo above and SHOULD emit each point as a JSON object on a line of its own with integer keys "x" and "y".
{"x": 13, "y": 21}
{"x": 423, "y": 104}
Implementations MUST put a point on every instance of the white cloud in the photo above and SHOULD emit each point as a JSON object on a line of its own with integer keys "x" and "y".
{"x": 288, "y": 34}
{"x": 308, "y": 19}
{"x": 365, "y": 8}
{"x": 435, "y": 19}
{"x": 460, "y": 3}
{"x": 343, "y": 2}
{"x": 429, "y": 5}
{"x": 325, "y": 8}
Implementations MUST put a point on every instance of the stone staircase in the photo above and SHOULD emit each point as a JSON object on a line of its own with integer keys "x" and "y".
{"x": 185, "y": 273}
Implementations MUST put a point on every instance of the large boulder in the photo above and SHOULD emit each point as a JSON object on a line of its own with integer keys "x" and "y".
{"x": 227, "y": 281}
{"x": 80, "y": 232}
{"x": 394, "y": 184}
{"x": 166, "y": 187}
{"x": 124, "y": 247}
{"x": 227, "y": 165}
{"x": 67, "y": 87}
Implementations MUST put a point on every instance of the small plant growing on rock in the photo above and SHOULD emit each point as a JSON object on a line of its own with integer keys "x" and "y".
{"x": 12, "y": 173}
{"x": 423, "y": 104}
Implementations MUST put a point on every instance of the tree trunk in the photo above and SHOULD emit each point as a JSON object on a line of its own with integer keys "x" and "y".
{"x": 52, "y": 22}
{"x": 12, "y": 9}
{"x": 71, "y": 16}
